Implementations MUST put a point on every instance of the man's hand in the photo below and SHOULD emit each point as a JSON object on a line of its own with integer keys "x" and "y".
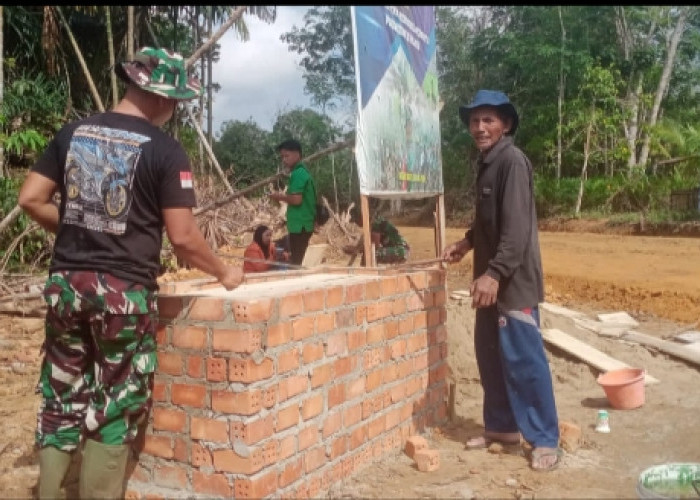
{"x": 456, "y": 251}
{"x": 232, "y": 277}
{"x": 484, "y": 291}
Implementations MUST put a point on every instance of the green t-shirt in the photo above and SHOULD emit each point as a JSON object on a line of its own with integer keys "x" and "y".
{"x": 301, "y": 217}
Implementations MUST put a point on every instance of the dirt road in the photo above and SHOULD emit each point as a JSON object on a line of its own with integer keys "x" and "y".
{"x": 653, "y": 278}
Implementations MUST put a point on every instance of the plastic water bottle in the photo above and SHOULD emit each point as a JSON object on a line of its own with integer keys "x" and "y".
{"x": 603, "y": 422}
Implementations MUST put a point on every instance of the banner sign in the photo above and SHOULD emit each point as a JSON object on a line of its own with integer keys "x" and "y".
{"x": 397, "y": 141}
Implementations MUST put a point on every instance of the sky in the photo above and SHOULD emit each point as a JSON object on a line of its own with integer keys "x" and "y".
{"x": 259, "y": 78}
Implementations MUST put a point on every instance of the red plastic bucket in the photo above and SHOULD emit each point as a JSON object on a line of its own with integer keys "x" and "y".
{"x": 624, "y": 388}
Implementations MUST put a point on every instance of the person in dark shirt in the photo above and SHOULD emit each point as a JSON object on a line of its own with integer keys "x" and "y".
{"x": 122, "y": 180}
{"x": 507, "y": 287}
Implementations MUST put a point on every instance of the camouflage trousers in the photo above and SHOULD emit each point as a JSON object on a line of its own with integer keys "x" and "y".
{"x": 100, "y": 356}
{"x": 391, "y": 254}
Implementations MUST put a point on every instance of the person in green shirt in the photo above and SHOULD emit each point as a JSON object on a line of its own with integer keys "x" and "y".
{"x": 300, "y": 199}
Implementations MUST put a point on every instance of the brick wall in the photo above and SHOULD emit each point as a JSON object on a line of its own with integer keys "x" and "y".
{"x": 285, "y": 387}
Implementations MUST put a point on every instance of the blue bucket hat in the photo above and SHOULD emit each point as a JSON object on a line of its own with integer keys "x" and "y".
{"x": 493, "y": 98}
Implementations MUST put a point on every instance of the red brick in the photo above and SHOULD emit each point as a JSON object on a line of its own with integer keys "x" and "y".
{"x": 371, "y": 406}
{"x": 241, "y": 341}
{"x": 325, "y": 322}
{"x": 312, "y": 352}
{"x": 288, "y": 360}
{"x": 190, "y": 337}
{"x": 375, "y": 333}
{"x": 360, "y": 315}
{"x": 343, "y": 366}
{"x": 358, "y": 437}
{"x": 339, "y": 447}
{"x": 376, "y": 427}
{"x": 253, "y": 311}
{"x": 269, "y": 396}
{"x": 247, "y": 370}
{"x": 216, "y": 369}
{"x": 308, "y": 437}
{"x": 389, "y": 286}
{"x": 238, "y": 403}
{"x": 169, "y": 363}
{"x": 158, "y": 446}
{"x": 420, "y": 320}
{"x": 406, "y": 325}
{"x": 206, "y": 309}
{"x": 333, "y": 422}
{"x": 211, "y": 484}
{"x": 321, "y": 375}
{"x": 270, "y": 452}
{"x": 354, "y": 293}
{"x": 291, "y": 472}
{"x": 253, "y": 431}
{"x": 260, "y": 487}
{"x": 314, "y": 300}
{"x": 293, "y": 385}
{"x": 159, "y": 391}
{"x": 169, "y": 306}
{"x": 170, "y": 477}
{"x": 418, "y": 280}
{"x": 312, "y": 406}
{"x": 344, "y": 317}
{"x": 279, "y": 334}
{"x": 373, "y": 380}
{"x": 314, "y": 458}
{"x": 162, "y": 335}
{"x": 336, "y": 344}
{"x": 373, "y": 290}
{"x": 291, "y": 305}
{"x": 189, "y": 395}
{"x": 352, "y": 415}
{"x": 200, "y": 456}
{"x": 180, "y": 450}
{"x": 195, "y": 366}
{"x": 302, "y": 328}
{"x": 334, "y": 297}
{"x": 414, "y": 444}
{"x": 169, "y": 420}
{"x": 414, "y": 302}
{"x": 427, "y": 460}
{"x": 336, "y": 395}
{"x": 433, "y": 317}
{"x": 398, "y": 306}
{"x": 397, "y": 349}
{"x": 230, "y": 461}
{"x": 288, "y": 446}
{"x": 357, "y": 339}
{"x": 209, "y": 429}
{"x": 287, "y": 417}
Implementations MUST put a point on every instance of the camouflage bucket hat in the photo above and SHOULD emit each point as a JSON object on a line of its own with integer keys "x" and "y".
{"x": 160, "y": 71}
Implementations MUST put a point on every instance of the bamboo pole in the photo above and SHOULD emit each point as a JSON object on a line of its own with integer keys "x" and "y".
{"x": 81, "y": 60}
{"x": 235, "y": 15}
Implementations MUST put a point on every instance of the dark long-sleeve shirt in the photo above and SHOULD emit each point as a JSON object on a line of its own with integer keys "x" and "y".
{"x": 504, "y": 233}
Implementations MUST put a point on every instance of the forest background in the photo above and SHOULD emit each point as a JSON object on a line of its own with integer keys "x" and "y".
{"x": 608, "y": 98}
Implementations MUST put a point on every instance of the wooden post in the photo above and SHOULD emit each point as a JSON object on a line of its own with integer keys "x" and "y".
{"x": 367, "y": 232}
{"x": 440, "y": 225}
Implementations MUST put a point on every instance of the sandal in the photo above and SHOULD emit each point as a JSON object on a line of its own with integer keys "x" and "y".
{"x": 480, "y": 442}
{"x": 538, "y": 454}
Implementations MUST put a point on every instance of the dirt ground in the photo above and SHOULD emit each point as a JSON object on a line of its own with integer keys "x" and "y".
{"x": 655, "y": 279}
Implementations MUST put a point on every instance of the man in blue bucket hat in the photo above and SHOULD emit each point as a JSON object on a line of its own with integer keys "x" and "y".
{"x": 507, "y": 287}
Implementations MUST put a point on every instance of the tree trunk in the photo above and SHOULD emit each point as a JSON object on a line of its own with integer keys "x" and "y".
{"x": 81, "y": 60}
{"x": 584, "y": 169}
{"x": 560, "y": 100}
{"x": 208, "y": 57}
{"x": 2, "y": 88}
{"x": 663, "y": 81}
{"x": 130, "y": 32}
{"x": 110, "y": 50}
{"x": 200, "y": 117}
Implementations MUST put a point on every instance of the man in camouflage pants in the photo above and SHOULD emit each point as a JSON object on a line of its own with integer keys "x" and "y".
{"x": 121, "y": 181}
{"x": 389, "y": 246}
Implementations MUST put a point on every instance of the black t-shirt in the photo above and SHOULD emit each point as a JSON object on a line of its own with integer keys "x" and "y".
{"x": 116, "y": 173}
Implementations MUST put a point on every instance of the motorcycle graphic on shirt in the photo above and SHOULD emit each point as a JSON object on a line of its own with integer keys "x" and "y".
{"x": 99, "y": 173}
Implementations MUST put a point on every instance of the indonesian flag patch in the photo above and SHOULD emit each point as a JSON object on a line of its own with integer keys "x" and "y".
{"x": 186, "y": 180}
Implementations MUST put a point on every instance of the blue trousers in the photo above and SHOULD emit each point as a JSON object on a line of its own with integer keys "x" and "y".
{"x": 515, "y": 376}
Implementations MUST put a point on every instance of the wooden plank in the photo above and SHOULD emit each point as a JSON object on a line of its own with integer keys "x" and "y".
{"x": 618, "y": 318}
{"x": 672, "y": 348}
{"x": 314, "y": 255}
{"x": 587, "y": 353}
{"x": 560, "y": 310}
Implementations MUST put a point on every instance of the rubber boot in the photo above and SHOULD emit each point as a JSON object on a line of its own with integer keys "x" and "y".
{"x": 102, "y": 471}
{"x": 53, "y": 465}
